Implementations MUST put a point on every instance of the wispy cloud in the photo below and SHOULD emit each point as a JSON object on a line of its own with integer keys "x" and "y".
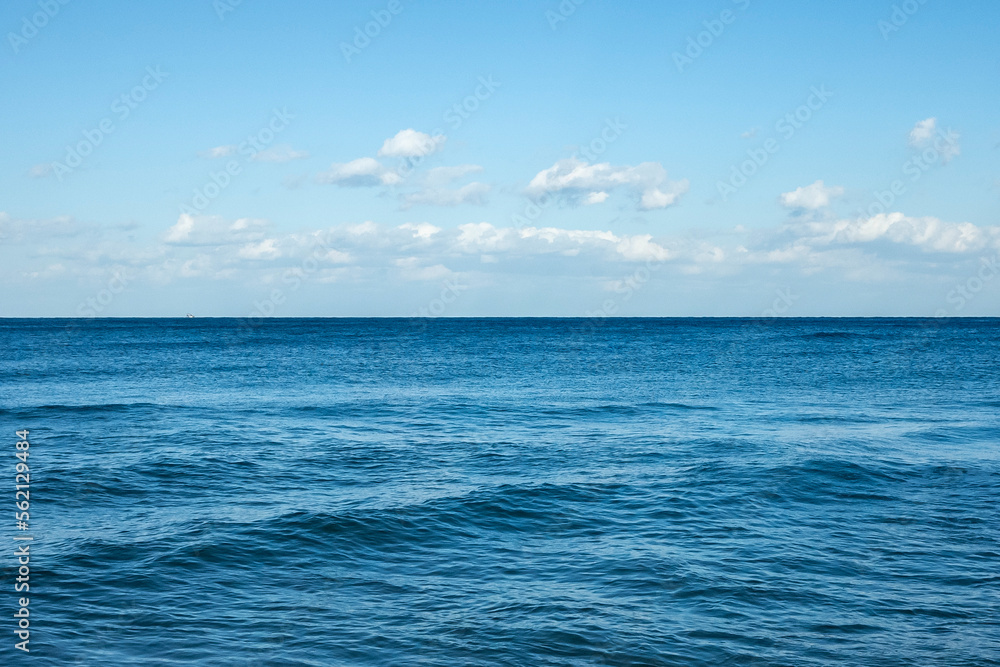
{"x": 215, "y": 231}
{"x": 473, "y": 193}
{"x": 280, "y": 153}
{"x": 40, "y": 170}
{"x": 365, "y": 172}
{"x": 219, "y": 152}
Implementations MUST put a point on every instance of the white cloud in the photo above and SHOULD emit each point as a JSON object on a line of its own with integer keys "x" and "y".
{"x": 641, "y": 248}
{"x": 892, "y": 248}
{"x": 930, "y": 234}
{"x": 595, "y": 198}
{"x": 926, "y": 134}
{"x": 655, "y": 198}
{"x": 411, "y": 269}
{"x": 19, "y": 230}
{"x": 197, "y": 267}
{"x": 578, "y": 180}
{"x": 40, "y": 170}
{"x": 423, "y": 230}
{"x": 280, "y": 153}
{"x": 219, "y": 151}
{"x": 811, "y": 197}
{"x": 295, "y": 182}
{"x": 181, "y": 230}
{"x": 337, "y": 257}
{"x": 361, "y": 173}
{"x": 433, "y": 190}
{"x": 483, "y": 238}
{"x": 441, "y": 176}
{"x": 215, "y": 230}
{"x": 923, "y": 132}
{"x": 266, "y": 249}
{"x": 410, "y": 143}
{"x": 473, "y": 193}
{"x": 366, "y": 228}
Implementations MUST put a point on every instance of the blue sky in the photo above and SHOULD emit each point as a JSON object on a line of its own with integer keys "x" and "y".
{"x": 588, "y": 158}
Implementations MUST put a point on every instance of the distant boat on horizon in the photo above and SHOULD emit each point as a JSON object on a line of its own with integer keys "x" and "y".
{"x": 190, "y": 315}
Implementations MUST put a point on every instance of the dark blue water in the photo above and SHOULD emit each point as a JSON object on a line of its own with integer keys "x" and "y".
{"x": 507, "y": 492}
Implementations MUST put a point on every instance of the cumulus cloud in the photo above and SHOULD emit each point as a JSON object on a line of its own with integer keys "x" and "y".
{"x": 367, "y": 172}
{"x": 280, "y": 153}
{"x": 411, "y": 143}
{"x": 581, "y": 181}
{"x": 811, "y": 197}
{"x": 364, "y": 172}
{"x": 422, "y": 230}
{"x": 655, "y": 198}
{"x": 926, "y": 134}
{"x": 923, "y": 132}
{"x": 181, "y": 231}
{"x": 266, "y": 249}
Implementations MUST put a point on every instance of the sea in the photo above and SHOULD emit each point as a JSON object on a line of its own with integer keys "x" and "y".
{"x": 529, "y": 492}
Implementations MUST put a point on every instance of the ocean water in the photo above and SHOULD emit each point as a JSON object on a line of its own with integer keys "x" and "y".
{"x": 506, "y": 492}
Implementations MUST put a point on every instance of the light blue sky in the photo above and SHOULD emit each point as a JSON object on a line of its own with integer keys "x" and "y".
{"x": 375, "y": 197}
